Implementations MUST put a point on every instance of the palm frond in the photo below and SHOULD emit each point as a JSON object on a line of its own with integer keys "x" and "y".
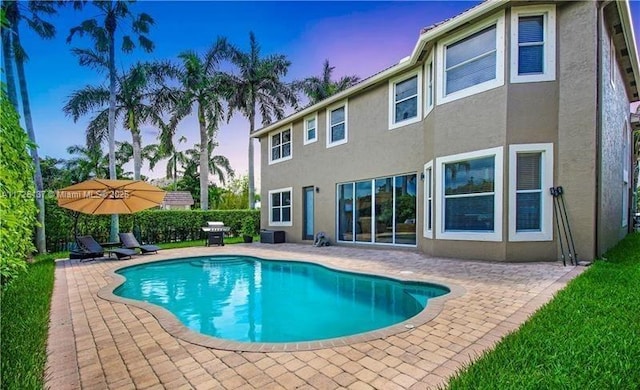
{"x": 86, "y": 100}
{"x": 91, "y": 58}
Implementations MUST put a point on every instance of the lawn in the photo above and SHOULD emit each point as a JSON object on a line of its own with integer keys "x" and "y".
{"x": 587, "y": 337}
{"x": 24, "y": 320}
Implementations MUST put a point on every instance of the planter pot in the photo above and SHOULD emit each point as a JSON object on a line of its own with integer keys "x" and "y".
{"x": 247, "y": 239}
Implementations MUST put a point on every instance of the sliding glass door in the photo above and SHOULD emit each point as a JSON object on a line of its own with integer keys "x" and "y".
{"x": 381, "y": 210}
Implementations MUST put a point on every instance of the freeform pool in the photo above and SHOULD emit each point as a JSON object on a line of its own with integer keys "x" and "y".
{"x": 247, "y": 299}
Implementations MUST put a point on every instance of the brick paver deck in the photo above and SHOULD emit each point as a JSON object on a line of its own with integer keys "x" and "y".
{"x": 100, "y": 344}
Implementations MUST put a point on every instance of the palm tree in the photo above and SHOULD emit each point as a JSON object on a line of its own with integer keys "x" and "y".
{"x": 258, "y": 86}
{"x": 320, "y": 88}
{"x": 103, "y": 58}
{"x": 168, "y": 150}
{"x": 200, "y": 89}
{"x": 89, "y": 162}
{"x": 136, "y": 104}
{"x": 219, "y": 166}
{"x": 30, "y": 12}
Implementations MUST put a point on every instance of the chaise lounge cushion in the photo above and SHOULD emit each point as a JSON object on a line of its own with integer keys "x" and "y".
{"x": 128, "y": 240}
{"x": 88, "y": 244}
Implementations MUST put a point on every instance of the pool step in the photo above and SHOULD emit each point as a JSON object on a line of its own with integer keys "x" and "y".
{"x": 220, "y": 261}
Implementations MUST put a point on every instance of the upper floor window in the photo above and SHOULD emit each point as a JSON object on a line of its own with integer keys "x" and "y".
{"x": 280, "y": 207}
{"x": 337, "y": 130}
{"x": 311, "y": 129}
{"x": 533, "y": 48}
{"x": 472, "y": 60}
{"x": 405, "y": 99}
{"x": 429, "y": 84}
{"x": 280, "y": 145}
{"x": 530, "y": 204}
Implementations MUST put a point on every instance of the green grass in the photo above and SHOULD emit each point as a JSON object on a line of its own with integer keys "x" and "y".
{"x": 187, "y": 244}
{"x": 587, "y": 337}
{"x": 24, "y": 321}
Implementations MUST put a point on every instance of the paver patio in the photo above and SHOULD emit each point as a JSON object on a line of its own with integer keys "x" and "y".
{"x": 98, "y": 344}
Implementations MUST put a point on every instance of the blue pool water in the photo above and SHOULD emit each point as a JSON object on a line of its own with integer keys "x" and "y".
{"x": 253, "y": 300}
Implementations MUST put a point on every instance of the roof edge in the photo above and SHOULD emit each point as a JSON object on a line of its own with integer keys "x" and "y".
{"x": 630, "y": 39}
{"x": 401, "y": 66}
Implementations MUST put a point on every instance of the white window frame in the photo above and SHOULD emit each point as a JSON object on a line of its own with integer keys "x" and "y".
{"x": 546, "y": 182}
{"x": 428, "y": 196}
{"x": 344, "y": 103}
{"x": 496, "y": 235}
{"x": 498, "y": 81}
{"x": 548, "y": 12}
{"x": 626, "y": 165}
{"x": 308, "y": 140}
{"x": 280, "y": 191}
{"x": 612, "y": 62}
{"x": 281, "y": 159}
{"x": 429, "y": 81}
{"x": 393, "y": 123}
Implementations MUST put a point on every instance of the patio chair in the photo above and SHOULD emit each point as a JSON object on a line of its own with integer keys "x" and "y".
{"x": 89, "y": 245}
{"x": 129, "y": 241}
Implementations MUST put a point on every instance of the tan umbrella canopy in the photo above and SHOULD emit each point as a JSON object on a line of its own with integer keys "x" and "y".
{"x": 101, "y": 196}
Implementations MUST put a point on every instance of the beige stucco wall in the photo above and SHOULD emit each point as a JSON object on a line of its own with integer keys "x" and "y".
{"x": 372, "y": 151}
{"x": 576, "y": 149}
{"x": 562, "y": 112}
{"x": 615, "y": 115}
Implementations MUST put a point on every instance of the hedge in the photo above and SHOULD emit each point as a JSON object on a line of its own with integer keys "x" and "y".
{"x": 17, "y": 208}
{"x": 151, "y": 226}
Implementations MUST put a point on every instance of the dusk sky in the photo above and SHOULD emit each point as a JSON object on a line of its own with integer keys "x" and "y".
{"x": 358, "y": 38}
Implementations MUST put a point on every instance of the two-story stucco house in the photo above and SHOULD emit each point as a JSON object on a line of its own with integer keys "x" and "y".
{"x": 453, "y": 150}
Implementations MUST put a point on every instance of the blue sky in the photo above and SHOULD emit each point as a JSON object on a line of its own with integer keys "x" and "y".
{"x": 358, "y": 38}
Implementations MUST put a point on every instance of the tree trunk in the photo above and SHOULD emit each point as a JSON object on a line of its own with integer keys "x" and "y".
{"x": 41, "y": 242}
{"x": 252, "y": 190}
{"x": 113, "y": 233}
{"x": 7, "y": 56}
{"x": 175, "y": 172}
{"x": 137, "y": 153}
{"x": 204, "y": 160}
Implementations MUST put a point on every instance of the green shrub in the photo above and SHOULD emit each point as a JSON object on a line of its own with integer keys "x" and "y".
{"x": 155, "y": 226}
{"x": 249, "y": 226}
{"x": 17, "y": 209}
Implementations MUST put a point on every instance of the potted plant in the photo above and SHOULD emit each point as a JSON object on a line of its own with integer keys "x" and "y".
{"x": 248, "y": 229}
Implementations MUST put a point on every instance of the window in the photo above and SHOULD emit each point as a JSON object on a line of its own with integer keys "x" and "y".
{"x": 405, "y": 99}
{"x": 612, "y": 62}
{"x": 469, "y": 196}
{"x": 429, "y": 86}
{"x": 280, "y": 144}
{"x": 310, "y": 129}
{"x": 428, "y": 199}
{"x": 280, "y": 207}
{"x": 472, "y": 61}
{"x": 626, "y": 163}
{"x": 381, "y": 211}
{"x": 533, "y": 44}
{"x": 530, "y": 204}
{"x": 337, "y": 130}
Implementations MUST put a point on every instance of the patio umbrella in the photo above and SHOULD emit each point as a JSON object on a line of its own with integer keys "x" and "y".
{"x": 102, "y": 196}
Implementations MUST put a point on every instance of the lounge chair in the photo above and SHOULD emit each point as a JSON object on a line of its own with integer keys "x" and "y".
{"x": 129, "y": 241}
{"x": 88, "y": 244}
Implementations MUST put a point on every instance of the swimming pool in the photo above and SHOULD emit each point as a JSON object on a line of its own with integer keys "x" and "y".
{"x": 251, "y": 300}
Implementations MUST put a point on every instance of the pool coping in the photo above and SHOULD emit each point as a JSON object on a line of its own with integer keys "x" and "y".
{"x": 173, "y": 326}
